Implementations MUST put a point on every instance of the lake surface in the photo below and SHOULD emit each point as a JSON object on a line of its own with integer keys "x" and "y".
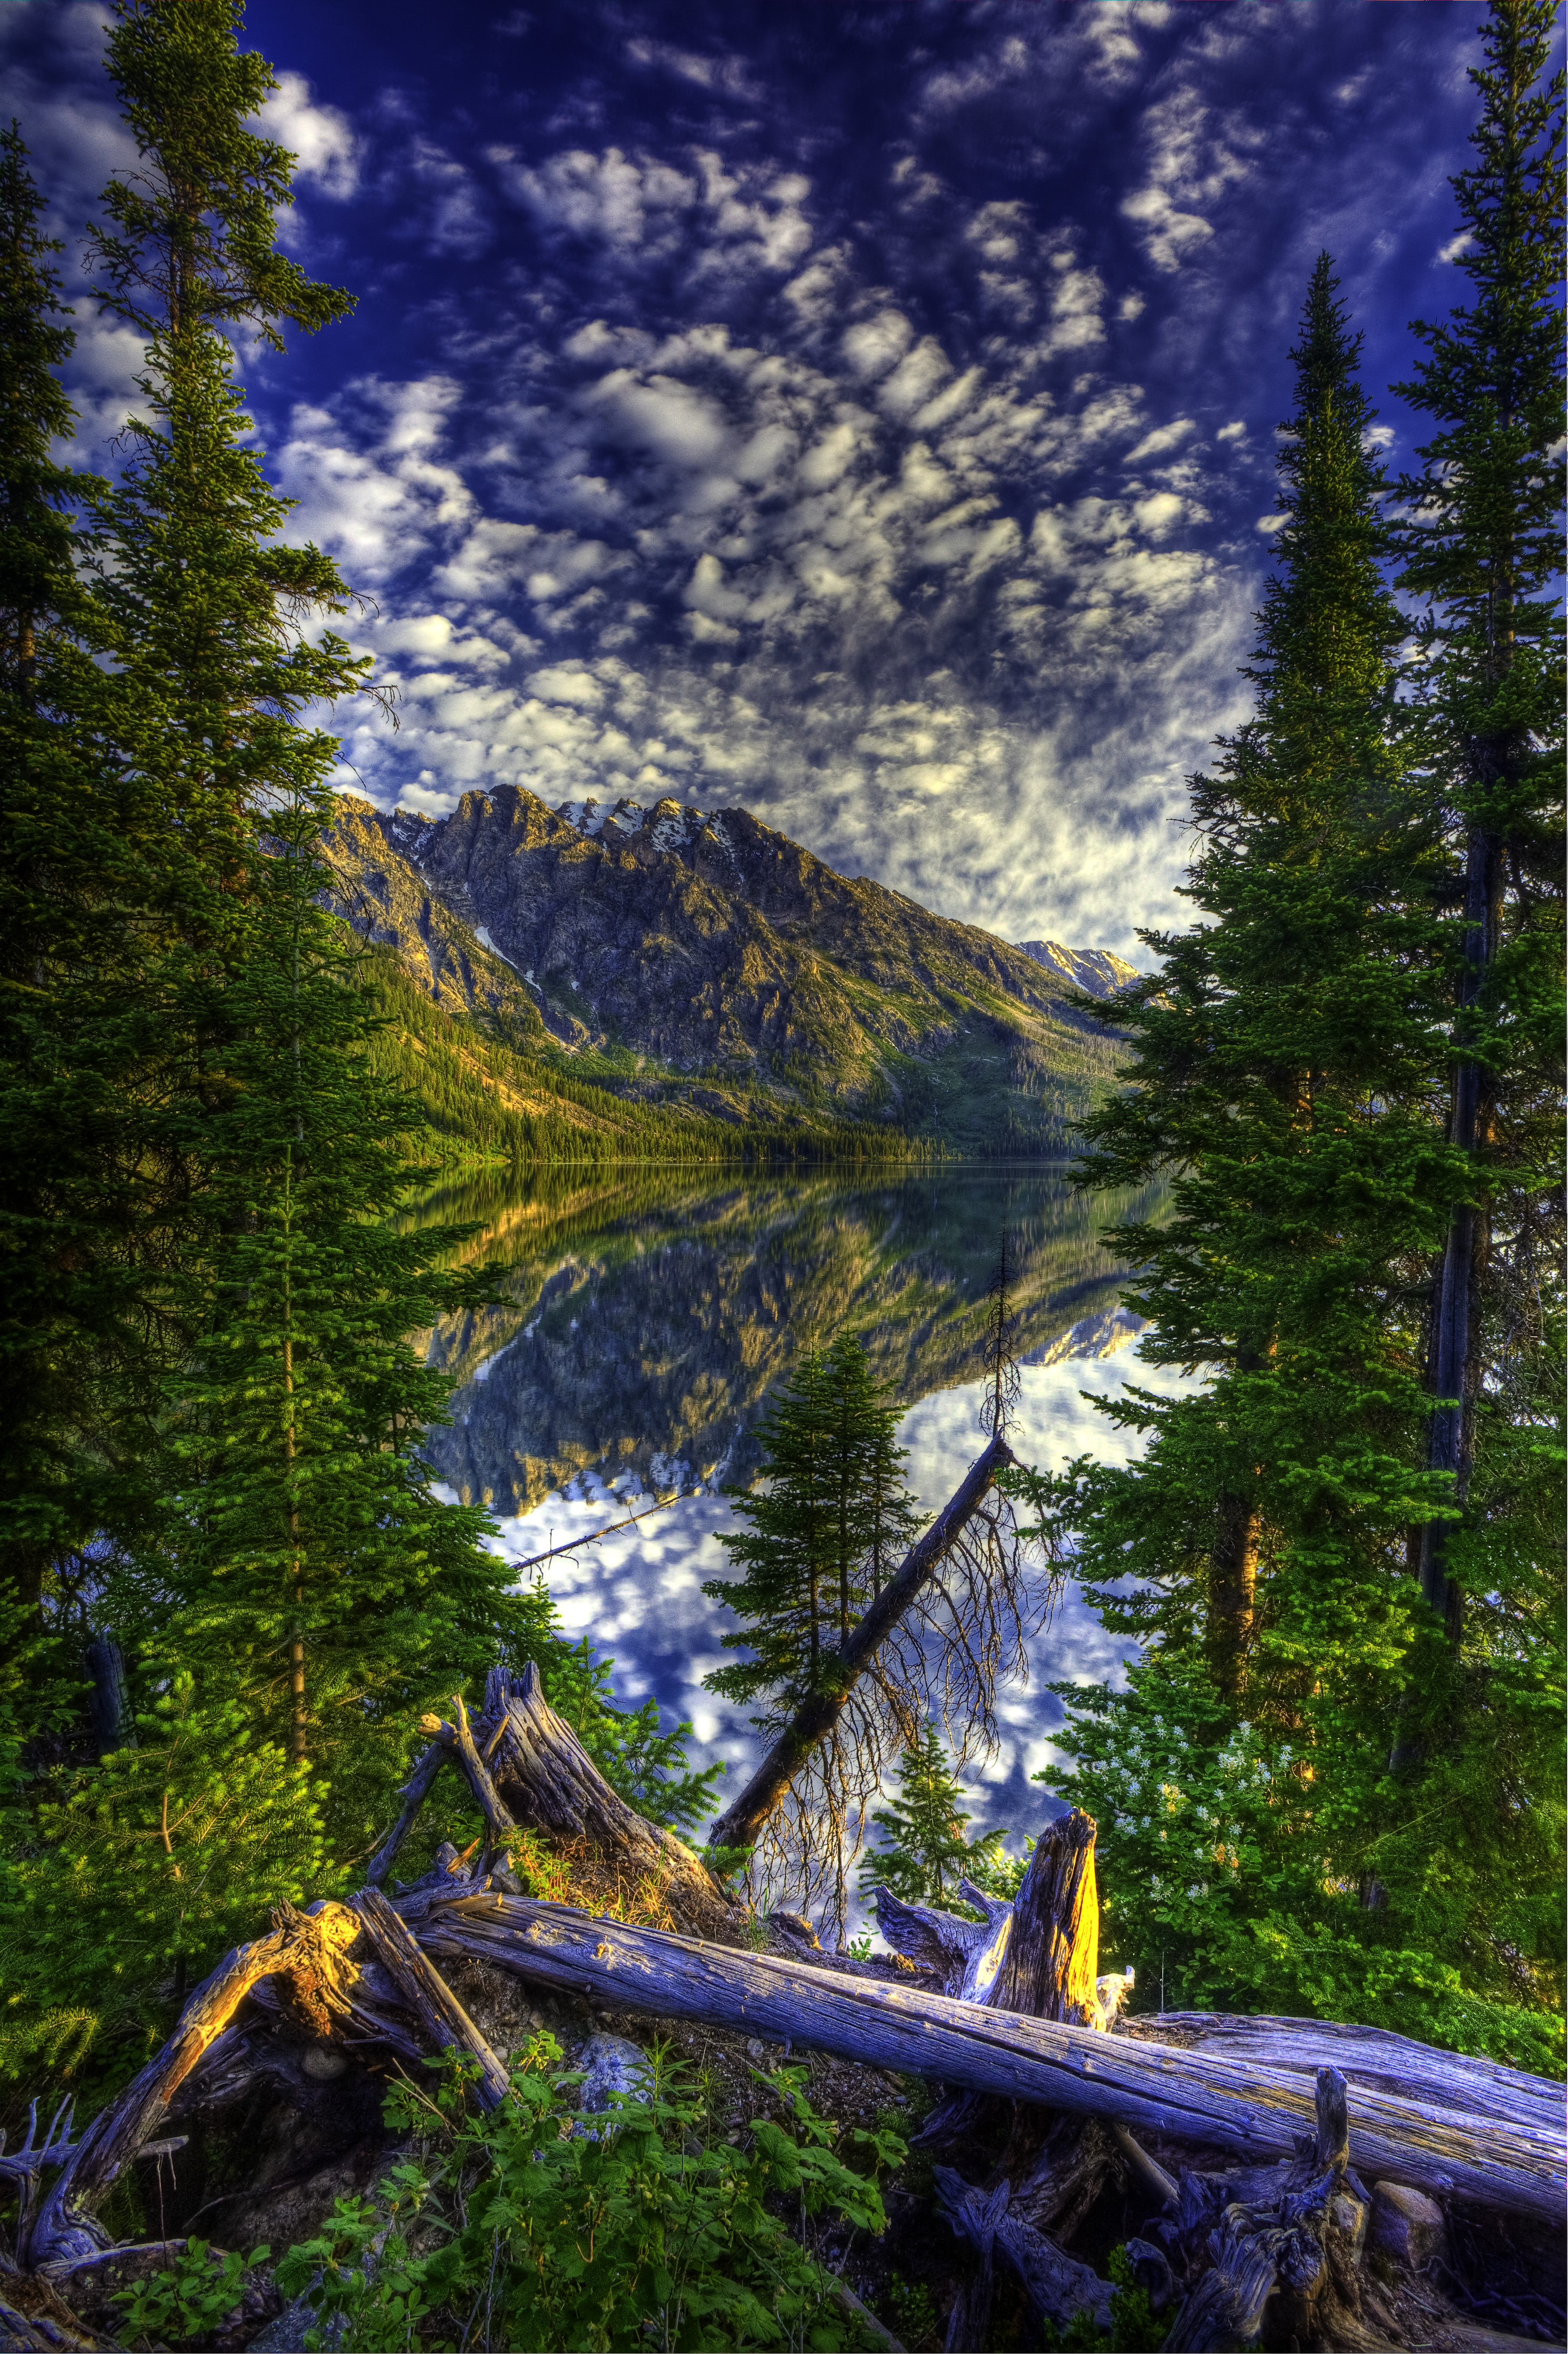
{"x": 646, "y": 1317}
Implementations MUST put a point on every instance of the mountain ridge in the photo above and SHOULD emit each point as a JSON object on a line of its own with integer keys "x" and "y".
{"x": 665, "y": 950}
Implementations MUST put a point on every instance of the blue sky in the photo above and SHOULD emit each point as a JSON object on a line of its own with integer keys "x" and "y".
{"x": 861, "y": 413}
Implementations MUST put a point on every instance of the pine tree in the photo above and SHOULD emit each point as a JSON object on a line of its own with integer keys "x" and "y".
{"x": 66, "y": 1191}
{"x": 926, "y": 1854}
{"x": 304, "y": 1562}
{"x": 1285, "y": 1074}
{"x": 1481, "y": 546}
{"x": 833, "y": 1516}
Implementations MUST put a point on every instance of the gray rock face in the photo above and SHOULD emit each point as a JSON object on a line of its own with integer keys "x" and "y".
{"x": 1406, "y": 2226}
{"x": 705, "y": 942}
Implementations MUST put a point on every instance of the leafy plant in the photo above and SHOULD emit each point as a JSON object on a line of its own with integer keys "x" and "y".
{"x": 1134, "y": 2328}
{"x": 538, "y": 2224}
{"x": 184, "y": 2306}
{"x": 909, "y": 2307}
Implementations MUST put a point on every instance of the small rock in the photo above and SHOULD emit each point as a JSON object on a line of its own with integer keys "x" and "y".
{"x": 1349, "y": 2218}
{"x": 322, "y": 2063}
{"x": 1406, "y": 2226}
{"x": 614, "y": 2064}
{"x": 754, "y": 2048}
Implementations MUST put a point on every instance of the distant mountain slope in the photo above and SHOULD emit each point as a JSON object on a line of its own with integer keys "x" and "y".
{"x": 1096, "y": 972}
{"x": 668, "y": 953}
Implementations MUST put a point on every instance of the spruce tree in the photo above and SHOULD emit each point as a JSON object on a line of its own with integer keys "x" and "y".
{"x": 303, "y": 1561}
{"x": 1480, "y": 542}
{"x": 67, "y": 1186}
{"x": 831, "y": 1517}
{"x": 925, "y": 1853}
{"x": 1284, "y": 1075}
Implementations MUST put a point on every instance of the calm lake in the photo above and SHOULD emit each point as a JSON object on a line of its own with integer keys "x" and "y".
{"x": 647, "y": 1315}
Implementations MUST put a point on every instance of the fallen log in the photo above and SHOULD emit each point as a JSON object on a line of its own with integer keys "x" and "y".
{"x": 741, "y": 1823}
{"x": 426, "y": 1993}
{"x": 1374, "y": 2059}
{"x": 1245, "y": 2107}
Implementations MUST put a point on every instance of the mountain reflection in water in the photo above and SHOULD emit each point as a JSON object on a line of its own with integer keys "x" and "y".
{"x": 644, "y": 1318}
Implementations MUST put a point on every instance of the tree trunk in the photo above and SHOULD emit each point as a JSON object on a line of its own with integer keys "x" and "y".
{"x": 740, "y": 1824}
{"x": 1456, "y": 1371}
{"x": 1232, "y": 1593}
{"x": 1054, "y": 1959}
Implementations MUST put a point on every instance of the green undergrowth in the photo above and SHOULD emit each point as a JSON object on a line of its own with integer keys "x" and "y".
{"x": 542, "y": 2224}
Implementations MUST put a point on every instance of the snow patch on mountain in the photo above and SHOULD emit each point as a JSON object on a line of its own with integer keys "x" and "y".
{"x": 670, "y": 824}
{"x": 1094, "y": 1336}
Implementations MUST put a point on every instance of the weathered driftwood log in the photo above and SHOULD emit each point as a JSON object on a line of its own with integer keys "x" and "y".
{"x": 1056, "y": 2190}
{"x": 1054, "y": 1956}
{"x": 549, "y": 1783}
{"x": 740, "y": 1824}
{"x": 974, "y": 2216}
{"x": 1298, "y": 2246}
{"x": 1057, "y": 2285}
{"x": 967, "y": 1956}
{"x": 1245, "y": 2107}
{"x": 415, "y": 1791}
{"x": 311, "y": 1949}
{"x": 1039, "y": 1955}
{"x": 1154, "y": 2176}
{"x": 427, "y": 1994}
{"x": 1374, "y": 2058}
{"x": 527, "y": 1768}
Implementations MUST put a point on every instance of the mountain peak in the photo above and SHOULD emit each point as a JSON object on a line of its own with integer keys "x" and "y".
{"x": 670, "y": 947}
{"x": 1097, "y": 971}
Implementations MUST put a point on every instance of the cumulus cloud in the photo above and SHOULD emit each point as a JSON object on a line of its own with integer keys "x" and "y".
{"x": 321, "y": 137}
{"x": 743, "y": 412}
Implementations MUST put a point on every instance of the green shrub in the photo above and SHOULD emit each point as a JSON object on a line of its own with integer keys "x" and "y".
{"x": 540, "y": 2225}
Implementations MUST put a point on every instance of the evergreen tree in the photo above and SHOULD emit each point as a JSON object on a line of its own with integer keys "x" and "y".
{"x": 1481, "y": 546}
{"x": 831, "y": 1517}
{"x": 66, "y": 1193}
{"x": 925, "y": 1853}
{"x": 304, "y": 1562}
{"x": 1285, "y": 1074}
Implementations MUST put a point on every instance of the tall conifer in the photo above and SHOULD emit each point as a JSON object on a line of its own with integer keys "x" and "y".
{"x": 303, "y": 1561}
{"x": 831, "y": 1516}
{"x": 1284, "y": 1075}
{"x": 1481, "y": 547}
{"x": 67, "y": 1185}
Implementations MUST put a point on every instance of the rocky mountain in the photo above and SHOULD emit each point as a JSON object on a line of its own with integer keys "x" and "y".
{"x": 669, "y": 948}
{"x": 1096, "y": 972}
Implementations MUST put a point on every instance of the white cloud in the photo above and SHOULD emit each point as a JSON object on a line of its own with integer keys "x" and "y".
{"x": 321, "y": 137}
{"x": 1454, "y": 247}
{"x": 633, "y": 203}
{"x": 873, "y": 345}
{"x": 1164, "y": 438}
{"x": 1191, "y": 165}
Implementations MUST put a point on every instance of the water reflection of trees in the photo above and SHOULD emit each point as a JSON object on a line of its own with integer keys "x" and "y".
{"x": 645, "y": 1314}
